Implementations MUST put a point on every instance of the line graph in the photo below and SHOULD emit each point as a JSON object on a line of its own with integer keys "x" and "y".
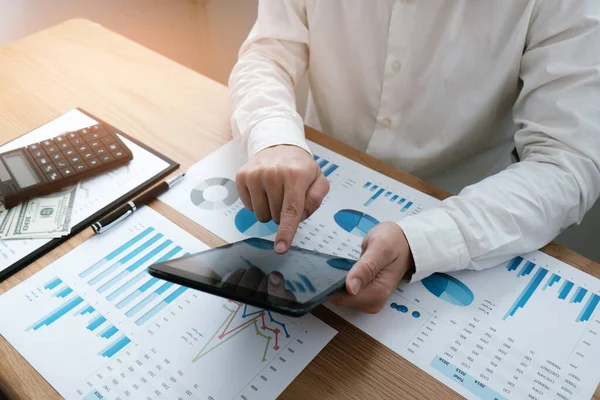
{"x": 244, "y": 320}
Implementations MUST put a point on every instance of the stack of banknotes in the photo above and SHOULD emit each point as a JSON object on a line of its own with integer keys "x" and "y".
{"x": 39, "y": 218}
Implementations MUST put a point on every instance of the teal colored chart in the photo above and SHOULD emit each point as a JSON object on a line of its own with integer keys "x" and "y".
{"x": 355, "y": 222}
{"x": 246, "y": 223}
{"x": 449, "y": 289}
{"x": 260, "y": 243}
{"x": 341, "y": 263}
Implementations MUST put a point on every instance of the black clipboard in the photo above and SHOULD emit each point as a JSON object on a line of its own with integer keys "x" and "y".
{"x": 53, "y": 243}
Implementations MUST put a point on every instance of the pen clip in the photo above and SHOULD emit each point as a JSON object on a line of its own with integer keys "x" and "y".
{"x": 99, "y": 228}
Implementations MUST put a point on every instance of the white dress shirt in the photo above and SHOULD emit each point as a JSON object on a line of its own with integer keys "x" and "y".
{"x": 444, "y": 90}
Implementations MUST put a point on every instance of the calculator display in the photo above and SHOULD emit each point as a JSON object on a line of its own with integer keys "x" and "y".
{"x": 21, "y": 170}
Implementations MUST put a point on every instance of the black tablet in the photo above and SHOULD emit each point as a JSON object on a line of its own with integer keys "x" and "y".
{"x": 251, "y": 272}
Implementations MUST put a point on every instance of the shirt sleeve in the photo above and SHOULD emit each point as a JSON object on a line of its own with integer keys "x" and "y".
{"x": 263, "y": 82}
{"x": 558, "y": 178}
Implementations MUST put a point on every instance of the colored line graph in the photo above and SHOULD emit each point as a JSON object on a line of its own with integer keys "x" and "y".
{"x": 247, "y": 320}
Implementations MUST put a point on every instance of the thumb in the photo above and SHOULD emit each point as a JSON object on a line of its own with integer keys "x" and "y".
{"x": 374, "y": 258}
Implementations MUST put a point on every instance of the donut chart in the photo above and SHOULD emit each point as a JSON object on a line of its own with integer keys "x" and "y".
{"x": 355, "y": 222}
{"x": 449, "y": 289}
{"x": 246, "y": 223}
{"x": 223, "y": 187}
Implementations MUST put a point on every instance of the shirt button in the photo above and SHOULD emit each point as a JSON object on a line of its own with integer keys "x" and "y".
{"x": 385, "y": 123}
{"x": 396, "y": 66}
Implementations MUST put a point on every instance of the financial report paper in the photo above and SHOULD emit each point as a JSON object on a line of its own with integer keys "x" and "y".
{"x": 94, "y": 193}
{"x": 97, "y": 326}
{"x": 529, "y": 328}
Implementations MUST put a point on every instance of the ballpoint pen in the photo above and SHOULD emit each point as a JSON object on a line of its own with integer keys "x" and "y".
{"x": 131, "y": 206}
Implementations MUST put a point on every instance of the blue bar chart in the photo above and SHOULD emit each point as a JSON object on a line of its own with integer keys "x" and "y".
{"x": 133, "y": 267}
{"x": 126, "y": 281}
{"x": 378, "y": 191}
{"x": 375, "y": 196}
{"x": 577, "y": 296}
{"x": 64, "y": 292}
{"x": 97, "y": 322}
{"x": 142, "y": 275}
{"x": 115, "y": 347}
{"x": 550, "y": 282}
{"x": 589, "y": 308}
{"x": 157, "y": 308}
{"x": 512, "y": 266}
{"x": 565, "y": 289}
{"x": 123, "y": 280}
{"x": 53, "y": 283}
{"x": 527, "y": 268}
{"x": 87, "y": 310}
{"x": 115, "y": 253}
{"x": 529, "y": 290}
{"x": 106, "y": 272}
{"x": 327, "y": 166}
{"x": 57, "y": 314}
{"x": 108, "y": 332}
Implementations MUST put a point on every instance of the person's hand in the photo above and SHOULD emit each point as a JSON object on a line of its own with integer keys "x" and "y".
{"x": 384, "y": 261}
{"x": 283, "y": 184}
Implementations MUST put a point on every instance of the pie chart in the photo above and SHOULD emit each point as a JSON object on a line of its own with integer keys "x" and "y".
{"x": 355, "y": 222}
{"x": 214, "y": 194}
{"x": 341, "y": 263}
{"x": 449, "y": 289}
{"x": 246, "y": 223}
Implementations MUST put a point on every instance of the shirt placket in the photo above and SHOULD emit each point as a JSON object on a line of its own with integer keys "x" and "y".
{"x": 389, "y": 114}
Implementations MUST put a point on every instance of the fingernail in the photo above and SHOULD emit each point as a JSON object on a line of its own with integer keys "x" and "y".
{"x": 275, "y": 279}
{"x": 355, "y": 285}
{"x": 280, "y": 247}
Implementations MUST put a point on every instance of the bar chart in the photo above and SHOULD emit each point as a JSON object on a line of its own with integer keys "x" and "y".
{"x": 327, "y": 166}
{"x": 95, "y": 323}
{"x": 118, "y": 280}
{"x": 404, "y": 204}
{"x": 577, "y": 296}
{"x": 106, "y": 340}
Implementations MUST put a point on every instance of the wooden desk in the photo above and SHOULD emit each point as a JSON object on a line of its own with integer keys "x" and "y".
{"x": 184, "y": 115}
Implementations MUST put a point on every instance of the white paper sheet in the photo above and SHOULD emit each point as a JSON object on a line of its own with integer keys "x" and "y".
{"x": 513, "y": 331}
{"x": 96, "y": 325}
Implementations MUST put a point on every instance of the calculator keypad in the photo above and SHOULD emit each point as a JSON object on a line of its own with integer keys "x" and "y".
{"x": 77, "y": 152}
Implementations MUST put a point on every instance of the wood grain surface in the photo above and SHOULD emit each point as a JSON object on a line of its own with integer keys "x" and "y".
{"x": 184, "y": 115}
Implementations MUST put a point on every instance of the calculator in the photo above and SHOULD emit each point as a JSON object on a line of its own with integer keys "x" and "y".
{"x": 52, "y": 164}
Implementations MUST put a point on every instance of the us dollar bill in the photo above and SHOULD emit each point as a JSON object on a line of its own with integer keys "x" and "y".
{"x": 41, "y": 217}
{"x": 4, "y": 220}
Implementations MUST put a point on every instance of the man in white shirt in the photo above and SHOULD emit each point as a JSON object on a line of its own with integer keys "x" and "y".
{"x": 445, "y": 90}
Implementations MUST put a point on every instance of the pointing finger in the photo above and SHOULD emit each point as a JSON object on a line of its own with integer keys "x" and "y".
{"x": 291, "y": 216}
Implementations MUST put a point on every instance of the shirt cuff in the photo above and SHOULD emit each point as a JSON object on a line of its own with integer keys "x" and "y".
{"x": 436, "y": 243}
{"x": 275, "y": 131}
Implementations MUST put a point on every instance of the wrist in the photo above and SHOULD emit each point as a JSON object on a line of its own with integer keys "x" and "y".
{"x": 409, "y": 260}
